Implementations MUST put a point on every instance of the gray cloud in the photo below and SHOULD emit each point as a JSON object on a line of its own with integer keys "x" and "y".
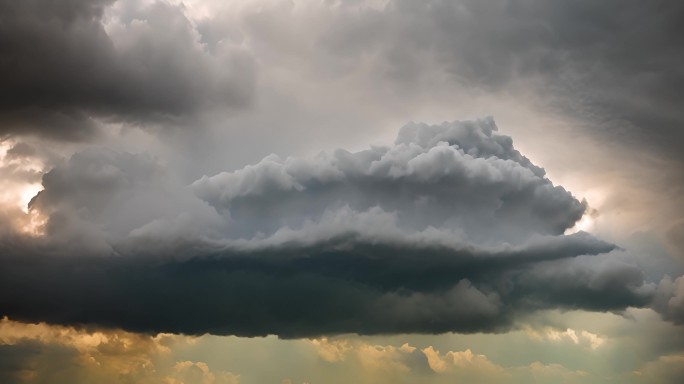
{"x": 100, "y": 196}
{"x": 460, "y": 175}
{"x": 64, "y": 70}
{"x": 326, "y": 288}
{"x": 610, "y": 69}
{"x": 599, "y": 284}
{"x": 301, "y": 247}
{"x": 613, "y": 64}
{"x": 670, "y": 299}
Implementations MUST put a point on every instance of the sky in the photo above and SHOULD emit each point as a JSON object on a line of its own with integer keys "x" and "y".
{"x": 341, "y": 191}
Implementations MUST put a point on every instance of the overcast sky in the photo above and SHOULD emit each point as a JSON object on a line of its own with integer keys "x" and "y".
{"x": 336, "y": 191}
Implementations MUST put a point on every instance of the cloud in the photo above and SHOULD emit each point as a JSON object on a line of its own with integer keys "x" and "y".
{"x": 604, "y": 78}
{"x": 347, "y": 66}
{"x": 70, "y": 355}
{"x": 409, "y": 238}
{"x": 613, "y": 65}
{"x": 199, "y": 373}
{"x": 590, "y": 339}
{"x": 66, "y": 70}
{"x": 670, "y": 299}
{"x": 100, "y": 196}
{"x": 297, "y": 292}
{"x": 572, "y": 282}
{"x": 407, "y": 363}
{"x": 463, "y": 360}
{"x": 666, "y": 369}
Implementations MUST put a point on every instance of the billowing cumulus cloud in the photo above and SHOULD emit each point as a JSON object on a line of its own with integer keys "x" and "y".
{"x": 97, "y": 200}
{"x": 461, "y": 176}
{"x": 65, "y": 69}
{"x": 449, "y": 229}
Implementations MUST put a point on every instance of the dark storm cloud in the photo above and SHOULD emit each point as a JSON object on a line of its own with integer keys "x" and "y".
{"x": 304, "y": 247}
{"x": 61, "y": 70}
{"x": 325, "y": 288}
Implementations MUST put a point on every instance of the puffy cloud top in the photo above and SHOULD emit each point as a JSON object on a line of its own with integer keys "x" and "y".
{"x": 461, "y": 176}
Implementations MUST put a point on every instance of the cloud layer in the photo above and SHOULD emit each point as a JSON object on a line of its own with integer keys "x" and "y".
{"x": 449, "y": 229}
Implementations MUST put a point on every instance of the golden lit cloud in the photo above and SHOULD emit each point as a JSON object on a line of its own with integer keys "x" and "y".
{"x": 188, "y": 372}
{"x": 583, "y": 337}
{"x": 332, "y": 350}
{"x": 101, "y": 356}
{"x": 19, "y": 183}
{"x": 386, "y": 361}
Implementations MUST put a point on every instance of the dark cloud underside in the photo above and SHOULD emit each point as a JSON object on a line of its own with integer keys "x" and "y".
{"x": 345, "y": 287}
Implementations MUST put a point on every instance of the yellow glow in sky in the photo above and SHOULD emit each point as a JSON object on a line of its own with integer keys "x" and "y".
{"x": 17, "y": 192}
